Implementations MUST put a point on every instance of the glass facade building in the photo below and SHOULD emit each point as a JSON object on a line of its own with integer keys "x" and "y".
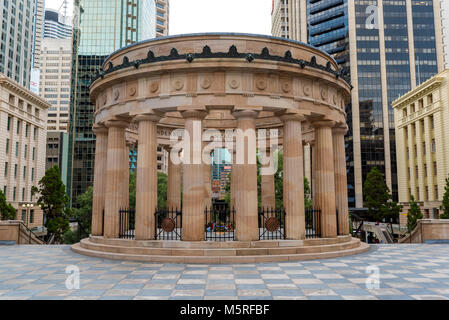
{"x": 100, "y": 27}
{"x": 388, "y": 47}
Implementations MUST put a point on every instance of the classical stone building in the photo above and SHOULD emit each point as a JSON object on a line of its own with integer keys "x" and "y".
{"x": 23, "y": 119}
{"x": 422, "y": 140}
{"x": 190, "y": 92}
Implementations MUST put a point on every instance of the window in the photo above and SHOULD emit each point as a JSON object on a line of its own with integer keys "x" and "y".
{"x": 436, "y": 191}
{"x": 32, "y": 216}
{"x": 24, "y": 215}
{"x": 425, "y": 170}
{"x": 435, "y": 171}
{"x": 34, "y": 151}
{"x": 24, "y": 172}
{"x": 17, "y": 149}
{"x": 7, "y": 146}
{"x": 434, "y": 146}
{"x": 6, "y": 169}
{"x": 420, "y": 104}
{"x": 35, "y": 133}
{"x": 417, "y": 171}
{"x": 427, "y": 193}
{"x": 429, "y": 99}
{"x": 25, "y": 153}
{"x": 14, "y": 194}
{"x": 23, "y": 194}
{"x": 9, "y": 122}
{"x": 18, "y": 126}
{"x": 4, "y": 191}
{"x": 432, "y": 124}
{"x": 27, "y": 127}
{"x": 32, "y": 174}
{"x": 424, "y": 148}
{"x": 412, "y": 108}
{"x": 15, "y": 171}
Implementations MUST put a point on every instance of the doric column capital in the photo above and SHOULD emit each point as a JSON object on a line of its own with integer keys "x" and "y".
{"x": 322, "y": 123}
{"x": 290, "y": 115}
{"x": 340, "y": 129}
{"x": 117, "y": 124}
{"x": 245, "y": 114}
{"x": 193, "y": 112}
{"x": 99, "y": 129}
{"x": 154, "y": 116}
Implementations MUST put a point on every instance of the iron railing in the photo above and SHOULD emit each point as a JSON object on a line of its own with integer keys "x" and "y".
{"x": 127, "y": 218}
{"x": 313, "y": 223}
{"x": 220, "y": 223}
{"x": 168, "y": 224}
{"x": 271, "y": 224}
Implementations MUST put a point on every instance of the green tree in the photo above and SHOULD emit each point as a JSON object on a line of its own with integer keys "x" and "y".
{"x": 413, "y": 215}
{"x": 132, "y": 189}
{"x": 7, "y": 211}
{"x": 308, "y": 203}
{"x": 445, "y": 204}
{"x": 161, "y": 190}
{"x": 54, "y": 202}
{"x": 279, "y": 181}
{"x": 83, "y": 214}
{"x": 378, "y": 198}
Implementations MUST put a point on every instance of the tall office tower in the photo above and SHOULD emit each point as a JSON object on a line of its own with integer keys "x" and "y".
{"x": 56, "y": 26}
{"x": 99, "y": 28}
{"x": 388, "y": 47}
{"x": 16, "y": 43}
{"x": 445, "y": 17}
{"x": 37, "y": 34}
{"x": 162, "y": 15}
{"x": 288, "y": 19}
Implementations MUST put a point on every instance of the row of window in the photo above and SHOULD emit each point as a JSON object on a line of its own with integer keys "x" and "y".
{"x": 15, "y": 171}
{"x": 418, "y": 106}
{"x": 17, "y": 150}
{"x": 14, "y": 193}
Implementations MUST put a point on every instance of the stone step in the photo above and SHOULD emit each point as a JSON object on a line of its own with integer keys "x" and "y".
{"x": 88, "y": 244}
{"x": 361, "y": 248}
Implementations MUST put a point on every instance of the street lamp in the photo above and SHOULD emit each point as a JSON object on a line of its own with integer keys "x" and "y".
{"x": 27, "y": 207}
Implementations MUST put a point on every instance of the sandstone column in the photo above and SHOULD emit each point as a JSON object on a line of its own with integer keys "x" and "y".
{"x": 233, "y": 179}
{"x": 268, "y": 198}
{"x": 246, "y": 218}
{"x": 324, "y": 192}
{"x": 173, "y": 184}
{"x": 293, "y": 177}
{"x": 341, "y": 184}
{"x": 98, "y": 201}
{"x": 207, "y": 182}
{"x": 193, "y": 177}
{"x": 115, "y": 177}
{"x": 146, "y": 184}
{"x": 126, "y": 159}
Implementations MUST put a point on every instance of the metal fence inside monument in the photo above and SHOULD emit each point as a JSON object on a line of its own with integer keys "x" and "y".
{"x": 313, "y": 223}
{"x": 168, "y": 224}
{"x": 220, "y": 223}
{"x": 127, "y": 218}
{"x": 271, "y": 224}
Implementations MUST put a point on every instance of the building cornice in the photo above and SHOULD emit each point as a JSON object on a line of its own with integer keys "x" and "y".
{"x": 17, "y": 88}
{"x": 419, "y": 91}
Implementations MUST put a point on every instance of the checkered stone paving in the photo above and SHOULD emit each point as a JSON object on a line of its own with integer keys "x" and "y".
{"x": 405, "y": 271}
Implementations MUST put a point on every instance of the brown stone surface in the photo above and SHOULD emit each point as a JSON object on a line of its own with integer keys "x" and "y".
{"x": 341, "y": 182}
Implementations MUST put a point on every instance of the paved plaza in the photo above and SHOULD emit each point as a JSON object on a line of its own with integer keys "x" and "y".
{"x": 406, "y": 272}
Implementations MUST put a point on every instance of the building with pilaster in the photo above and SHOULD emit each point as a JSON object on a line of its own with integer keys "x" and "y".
{"x": 422, "y": 142}
{"x": 388, "y": 48}
{"x": 162, "y": 17}
{"x": 23, "y": 120}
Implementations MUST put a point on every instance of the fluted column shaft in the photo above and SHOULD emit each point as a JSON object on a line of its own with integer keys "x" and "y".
{"x": 126, "y": 159}
{"x": 173, "y": 185}
{"x": 98, "y": 201}
{"x": 325, "y": 178}
{"x": 341, "y": 185}
{"x": 246, "y": 219}
{"x": 193, "y": 179}
{"x": 293, "y": 178}
{"x": 233, "y": 179}
{"x": 268, "y": 199}
{"x": 146, "y": 184}
{"x": 115, "y": 177}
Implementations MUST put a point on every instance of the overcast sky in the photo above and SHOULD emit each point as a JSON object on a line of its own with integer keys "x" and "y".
{"x": 189, "y": 16}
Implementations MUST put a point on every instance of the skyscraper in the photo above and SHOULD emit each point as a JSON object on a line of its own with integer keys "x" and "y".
{"x": 55, "y": 25}
{"x": 388, "y": 47}
{"x": 162, "y": 15}
{"x": 100, "y": 27}
{"x": 17, "y": 39}
{"x": 445, "y": 16}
